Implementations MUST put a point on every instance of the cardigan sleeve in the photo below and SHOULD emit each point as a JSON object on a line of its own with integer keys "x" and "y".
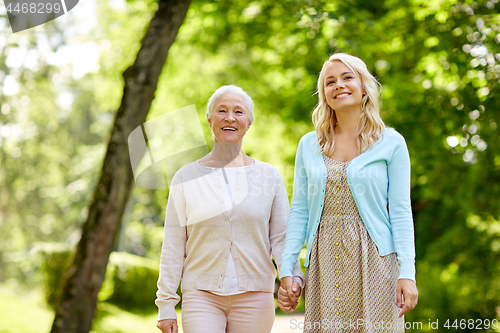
{"x": 172, "y": 254}
{"x": 299, "y": 215}
{"x": 278, "y": 223}
{"x": 400, "y": 215}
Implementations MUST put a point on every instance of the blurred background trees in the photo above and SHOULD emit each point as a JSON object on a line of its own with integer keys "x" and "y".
{"x": 438, "y": 62}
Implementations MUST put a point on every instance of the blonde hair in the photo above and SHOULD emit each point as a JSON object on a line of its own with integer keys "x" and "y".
{"x": 370, "y": 125}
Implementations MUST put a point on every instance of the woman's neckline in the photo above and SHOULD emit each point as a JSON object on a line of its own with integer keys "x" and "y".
{"x": 244, "y": 158}
{"x": 237, "y": 167}
{"x": 337, "y": 160}
{"x": 376, "y": 142}
{"x": 226, "y": 167}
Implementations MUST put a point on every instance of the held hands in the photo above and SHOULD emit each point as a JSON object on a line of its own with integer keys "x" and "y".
{"x": 408, "y": 289}
{"x": 167, "y": 325}
{"x": 288, "y": 294}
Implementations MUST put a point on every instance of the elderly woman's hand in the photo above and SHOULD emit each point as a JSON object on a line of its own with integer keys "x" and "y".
{"x": 284, "y": 302}
{"x": 168, "y": 325}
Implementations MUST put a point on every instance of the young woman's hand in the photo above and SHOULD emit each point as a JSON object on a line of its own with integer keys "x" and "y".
{"x": 408, "y": 289}
{"x": 288, "y": 294}
{"x": 168, "y": 325}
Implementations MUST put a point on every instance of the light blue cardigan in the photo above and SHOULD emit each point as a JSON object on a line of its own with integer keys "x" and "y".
{"x": 379, "y": 180}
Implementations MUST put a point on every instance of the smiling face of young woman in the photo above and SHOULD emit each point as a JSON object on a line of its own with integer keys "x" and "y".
{"x": 230, "y": 118}
{"x": 343, "y": 89}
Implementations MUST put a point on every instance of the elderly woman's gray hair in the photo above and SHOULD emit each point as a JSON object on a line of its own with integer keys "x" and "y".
{"x": 232, "y": 89}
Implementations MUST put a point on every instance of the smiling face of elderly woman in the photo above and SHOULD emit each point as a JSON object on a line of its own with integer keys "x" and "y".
{"x": 230, "y": 118}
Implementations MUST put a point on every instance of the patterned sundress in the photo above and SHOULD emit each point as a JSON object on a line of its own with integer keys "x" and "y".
{"x": 350, "y": 287}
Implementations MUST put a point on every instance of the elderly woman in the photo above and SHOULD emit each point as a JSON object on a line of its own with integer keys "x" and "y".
{"x": 351, "y": 203}
{"x": 226, "y": 216}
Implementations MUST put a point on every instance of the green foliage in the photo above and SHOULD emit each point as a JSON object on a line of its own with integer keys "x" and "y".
{"x": 54, "y": 259}
{"x": 130, "y": 282}
{"x": 438, "y": 61}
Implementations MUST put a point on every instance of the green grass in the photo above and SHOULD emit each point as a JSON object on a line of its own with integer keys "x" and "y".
{"x": 112, "y": 319}
{"x": 25, "y": 311}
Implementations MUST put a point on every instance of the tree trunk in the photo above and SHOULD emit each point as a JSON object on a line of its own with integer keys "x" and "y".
{"x": 76, "y": 307}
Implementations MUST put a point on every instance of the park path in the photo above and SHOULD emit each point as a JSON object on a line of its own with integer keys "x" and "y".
{"x": 288, "y": 323}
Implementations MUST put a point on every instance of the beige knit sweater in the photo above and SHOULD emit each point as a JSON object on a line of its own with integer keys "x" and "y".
{"x": 200, "y": 233}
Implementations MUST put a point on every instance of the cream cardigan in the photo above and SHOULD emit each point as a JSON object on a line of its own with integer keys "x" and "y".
{"x": 200, "y": 233}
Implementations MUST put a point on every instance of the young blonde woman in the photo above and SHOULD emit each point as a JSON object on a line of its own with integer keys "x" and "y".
{"x": 351, "y": 203}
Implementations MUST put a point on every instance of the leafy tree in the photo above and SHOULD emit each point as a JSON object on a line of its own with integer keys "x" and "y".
{"x": 438, "y": 62}
{"x": 75, "y": 308}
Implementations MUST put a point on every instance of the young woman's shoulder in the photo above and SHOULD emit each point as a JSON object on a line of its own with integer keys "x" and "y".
{"x": 308, "y": 140}
{"x": 393, "y": 136}
{"x": 311, "y": 136}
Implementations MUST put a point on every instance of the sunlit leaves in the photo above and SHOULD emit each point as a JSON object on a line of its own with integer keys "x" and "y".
{"x": 438, "y": 61}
